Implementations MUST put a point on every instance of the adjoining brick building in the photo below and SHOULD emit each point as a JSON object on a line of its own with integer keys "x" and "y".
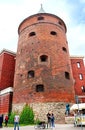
{"x": 44, "y": 71}
{"x": 7, "y": 67}
{"x": 78, "y": 70}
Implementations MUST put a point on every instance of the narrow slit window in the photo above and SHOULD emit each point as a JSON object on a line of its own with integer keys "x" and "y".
{"x": 67, "y": 76}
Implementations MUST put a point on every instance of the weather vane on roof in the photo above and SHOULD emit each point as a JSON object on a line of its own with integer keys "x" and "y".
{"x": 41, "y": 9}
{"x": 41, "y": 6}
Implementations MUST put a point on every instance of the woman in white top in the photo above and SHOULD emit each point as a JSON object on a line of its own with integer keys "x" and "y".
{"x": 16, "y": 122}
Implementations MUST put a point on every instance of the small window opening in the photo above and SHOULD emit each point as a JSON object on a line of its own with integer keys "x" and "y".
{"x": 67, "y": 76}
{"x": 83, "y": 88}
{"x": 31, "y": 74}
{"x": 40, "y": 18}
{"x": 40, "y": 88}
{"x": 80, "y": 76}
{"x": 21, "y": 75}
{"x": 32, "y": 34}
{"x": 60, "y": 22}
{"x": 78, "y": 65}
{"x": 64, "y": 49}
{"x": 53, "y": 33}
{"x": 43, "y": 58}
{"x": 67, "y": 42}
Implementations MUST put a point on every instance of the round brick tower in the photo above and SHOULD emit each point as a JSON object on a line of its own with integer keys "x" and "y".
{"x": 43, "y": 77}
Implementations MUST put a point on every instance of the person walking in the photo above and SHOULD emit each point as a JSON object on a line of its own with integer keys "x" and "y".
{"x": 6, "y": 120}
{"x": 16, "y": 122}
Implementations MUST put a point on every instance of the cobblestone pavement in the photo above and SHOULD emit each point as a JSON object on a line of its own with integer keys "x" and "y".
{"x": 57, "y": 127}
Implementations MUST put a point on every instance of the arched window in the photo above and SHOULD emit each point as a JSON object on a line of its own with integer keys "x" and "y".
{"x": 40, "y": 88}
{"x": 53, "y": 33}
{"x": 32, "y": 34}
{"x": 31, "y": 74}
{"x": 43, "y": 58}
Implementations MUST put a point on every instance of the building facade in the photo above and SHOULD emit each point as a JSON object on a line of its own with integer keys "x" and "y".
{"x": 7, "y": 67}
{"x": 78, "y": 70}
{"x": 44, "y": 76}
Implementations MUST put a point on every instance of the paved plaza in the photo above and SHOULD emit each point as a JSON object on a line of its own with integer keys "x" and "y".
{"x": 57, "y": 127}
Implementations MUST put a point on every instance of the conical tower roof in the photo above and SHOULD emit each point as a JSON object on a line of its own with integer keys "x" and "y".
{"x": 41, "y": 10}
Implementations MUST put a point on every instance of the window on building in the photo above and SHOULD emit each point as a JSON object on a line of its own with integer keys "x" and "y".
{"x": 21, "y": 75}
{"x": 67, "y": 76}
{"x": 83, "y": 88}
{"x": 80, "y": 76}
{"x": 53, "y": 33}
{"x": 31, "y": 74}
{"x": 40, "y": 18}
{"x": 40, "y": 88}
{"x": 43, "y": 58}
{"x": 64, "y": 49}
{"x": 67, "y": 42}
{"x": 60, "y": 22}
{"x": 78, "y": 64}
{"x": 32, "y": 34}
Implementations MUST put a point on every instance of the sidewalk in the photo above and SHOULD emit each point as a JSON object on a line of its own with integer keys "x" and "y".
{"x": 57, "y": 127}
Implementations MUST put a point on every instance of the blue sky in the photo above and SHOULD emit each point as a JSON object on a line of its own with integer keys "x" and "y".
{"x": 13, "y": 12}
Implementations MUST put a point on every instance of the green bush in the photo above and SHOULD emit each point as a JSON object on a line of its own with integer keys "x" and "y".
{"x": 11, "y": 117}
{"x": 27, "y": 115}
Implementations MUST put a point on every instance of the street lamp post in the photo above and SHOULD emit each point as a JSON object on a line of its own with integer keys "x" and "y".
{"x": 77, "y": 101}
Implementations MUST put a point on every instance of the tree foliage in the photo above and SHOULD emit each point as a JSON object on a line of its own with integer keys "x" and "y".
{"x": 11, "y": 117}
{"x": 27, "y": 115}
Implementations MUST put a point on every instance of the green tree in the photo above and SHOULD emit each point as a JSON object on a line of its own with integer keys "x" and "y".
{"x": 11, "y": 117}
{"x": 27, "y": 115}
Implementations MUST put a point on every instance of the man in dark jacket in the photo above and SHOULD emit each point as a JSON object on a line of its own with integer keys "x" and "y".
{"x": 1, "y": 120}
{"x": 49, "y": 119}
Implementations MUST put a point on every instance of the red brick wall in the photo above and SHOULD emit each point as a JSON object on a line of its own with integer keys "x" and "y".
{"x": 52, "y": 73}
{"x": 5, "y": 101}
{"x": 1, "y": 65}
{"x": 7, "y": 66}
{"x": 76, "y": 71}
{"x": 50, "y": 18}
